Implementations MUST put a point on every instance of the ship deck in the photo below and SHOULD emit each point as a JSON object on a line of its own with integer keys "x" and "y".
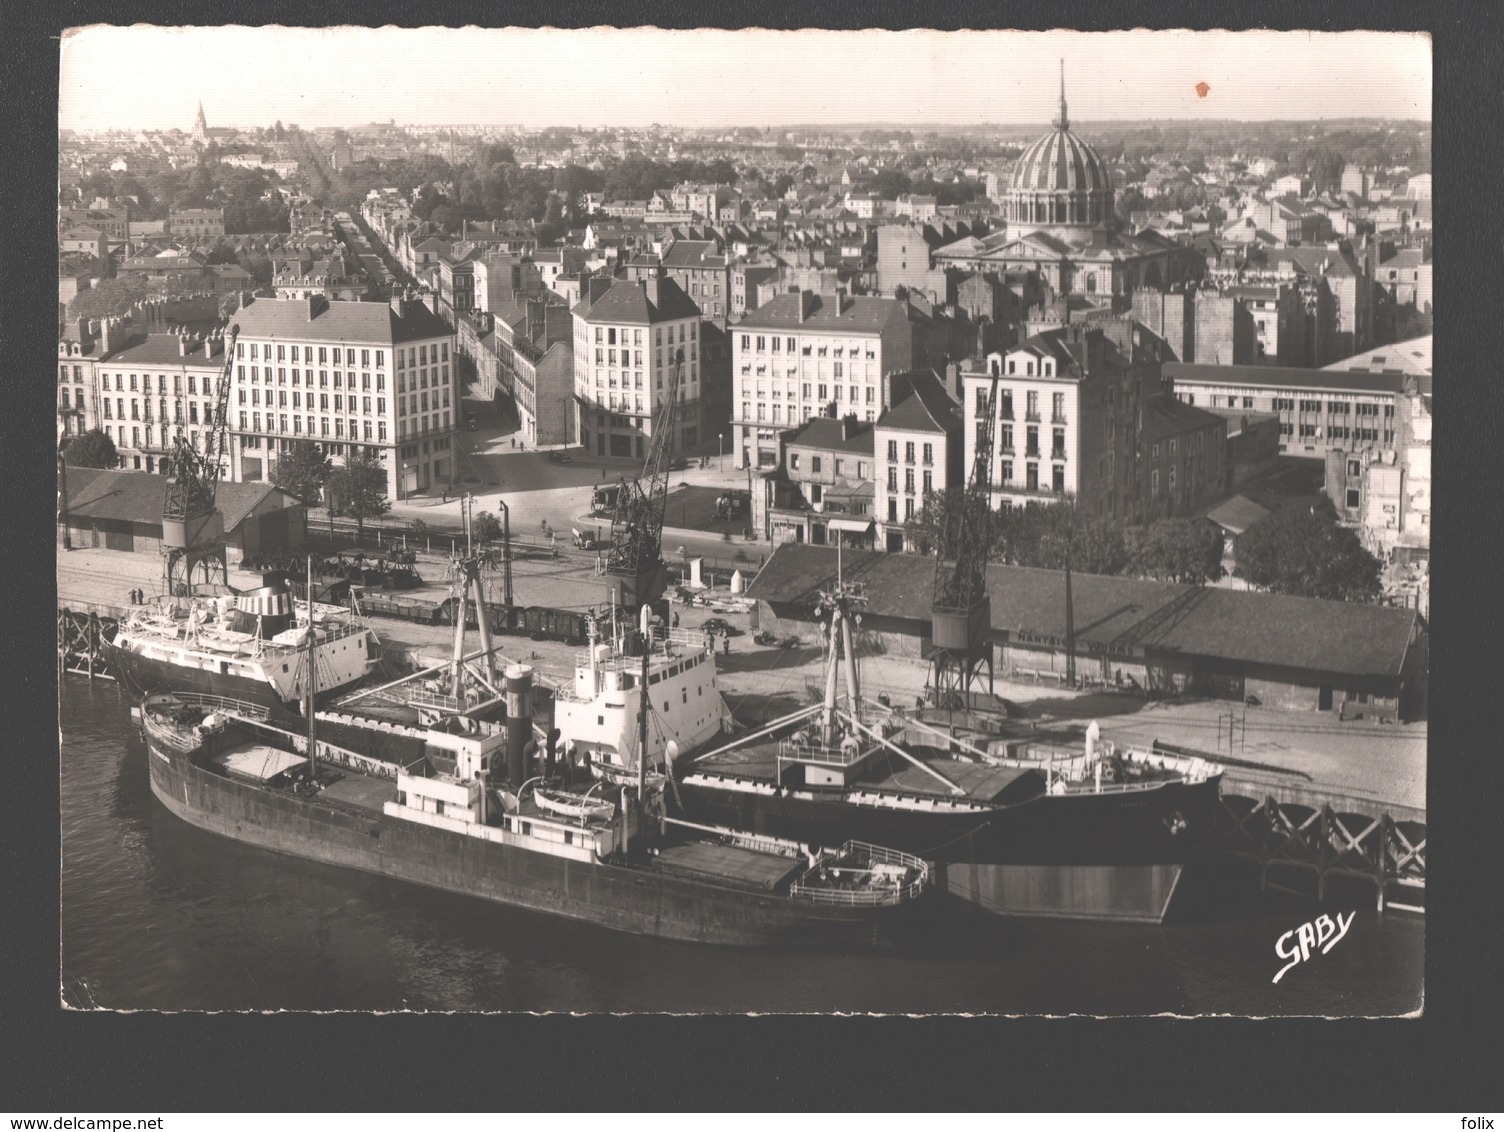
{"x": 727, "y": 864}
{"x": 366, "y": 792}
{"x": 890, "y": 772}
{"x": 982, "y": 783}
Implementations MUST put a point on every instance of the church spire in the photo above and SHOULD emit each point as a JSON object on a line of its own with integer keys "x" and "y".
{"x": 1062, "y": 122}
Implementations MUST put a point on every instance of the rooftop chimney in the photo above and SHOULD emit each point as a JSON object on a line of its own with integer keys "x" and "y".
{"x": 397, "y": 303}
{"x": 182, "y": 346}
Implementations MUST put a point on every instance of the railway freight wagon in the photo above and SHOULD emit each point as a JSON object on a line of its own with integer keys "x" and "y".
{"x": 538, "y": 622}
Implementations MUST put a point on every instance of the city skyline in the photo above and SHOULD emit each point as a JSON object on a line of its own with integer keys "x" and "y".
{"x": 114, "y": 78}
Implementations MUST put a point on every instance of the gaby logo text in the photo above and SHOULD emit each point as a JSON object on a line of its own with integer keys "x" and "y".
{"x": 1297, "y": 944}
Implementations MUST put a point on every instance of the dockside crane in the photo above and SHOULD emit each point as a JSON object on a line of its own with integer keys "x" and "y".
{"x": 193, "y": 529}
{"x": 634, "y": 560}
{"x": 961, "y": 611}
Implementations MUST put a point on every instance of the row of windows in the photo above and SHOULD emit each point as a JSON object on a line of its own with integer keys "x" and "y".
{"x": 928, "y": 481}
{"x": 817, "y": 462}
{"x": 1031, "y": 476}
{"x": 297, "y": 425}
{"x": 145, "y": 383}
{"x": 774, "y": 344}
{"x": 1031, "y": 404}
{"x": 611, "y": 336}
{"x": 1336, "y": 432}
{"x": 140, "y": 412}
{"x": 415, "y": 355}
{"x": 411, "y": 403}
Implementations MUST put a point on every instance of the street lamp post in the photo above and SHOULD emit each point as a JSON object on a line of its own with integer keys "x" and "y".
{"x": 720, "y": 451}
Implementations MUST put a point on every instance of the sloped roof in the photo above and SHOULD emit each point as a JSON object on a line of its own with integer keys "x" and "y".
{"x": 1411, "y": 356}
{"x": 826, "y": 433}
{"x": 927, "y": 408}
{"x": 627, "y": 301}
{"x": 339, "y": 321}
{"x": 1165, "y": 416}
{"x": 858, "y": 315}
{"x": 1286, "y": 377}
{"x": 164, "y": 350}
{"x": 137, "y": 497}
{"x": 1237, "y": 514}
{"x": 1125, "y": 613}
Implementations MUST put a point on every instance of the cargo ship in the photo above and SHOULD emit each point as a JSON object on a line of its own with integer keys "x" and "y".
{"x": 599, "y": 714}
{"x": 249, "y": 647}
{"x": 1014, "y": 827}
{"x": 474, "y": 809}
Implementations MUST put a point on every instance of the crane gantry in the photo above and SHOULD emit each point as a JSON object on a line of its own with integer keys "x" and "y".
{"x": 193, "y": 529}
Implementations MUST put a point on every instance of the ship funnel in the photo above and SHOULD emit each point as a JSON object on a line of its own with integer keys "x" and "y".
{"x": 519, "y": 687}
{"x": 267, "y": 610}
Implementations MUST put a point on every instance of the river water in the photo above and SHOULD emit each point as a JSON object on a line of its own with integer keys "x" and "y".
{"x": 159, "y": 915}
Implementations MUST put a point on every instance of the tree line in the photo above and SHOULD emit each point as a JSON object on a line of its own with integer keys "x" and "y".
{"x": 1301, "y": 552}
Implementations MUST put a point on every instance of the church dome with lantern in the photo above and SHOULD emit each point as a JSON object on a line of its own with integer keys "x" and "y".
{"x": 1060, "y": 185}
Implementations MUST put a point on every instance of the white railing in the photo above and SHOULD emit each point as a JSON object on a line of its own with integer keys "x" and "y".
{"x": 873, "y": 895}
{"x": 226, "y": 704}
{"x": 794, "y": 751}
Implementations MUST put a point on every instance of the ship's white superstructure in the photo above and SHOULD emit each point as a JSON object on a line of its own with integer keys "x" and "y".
{"x": 599, "y": 715}
{"x": 192, "y": 643}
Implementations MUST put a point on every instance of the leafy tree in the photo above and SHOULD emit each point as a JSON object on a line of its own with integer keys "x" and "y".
{"x": 111, "y": 298}
{"x": 925, "y": 532}
{"x": 783, "y": 184}
{"x": 1051, "y": 535}
{"x": 1307, "y": 554}
{"x": 1175, "y": 550}
{"x": 358, "y": 489}
{"x": 302, "y": 471}
{"x": 485, "y": 527}
{"x": 94, "y": 449}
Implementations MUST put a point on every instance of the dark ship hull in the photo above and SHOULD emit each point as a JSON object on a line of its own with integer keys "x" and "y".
{"x": 1114, "y": 855}
{"x": 145, "y": 676}
{"x": 622, "y": 897}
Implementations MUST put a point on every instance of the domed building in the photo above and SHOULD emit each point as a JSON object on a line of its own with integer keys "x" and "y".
{"x": 1059, "y": 223}
{"x": 1060, "y": 185}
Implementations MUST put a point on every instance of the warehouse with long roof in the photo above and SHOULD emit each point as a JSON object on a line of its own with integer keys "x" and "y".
{"x": 1158, "y": 638}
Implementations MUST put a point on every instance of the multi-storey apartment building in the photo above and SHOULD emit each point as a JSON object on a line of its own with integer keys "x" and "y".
{"x": 626, "y": 343}
{"x": 1068, "y": 419}
{"x": 703, "y": 273}
{"x": 153, "y": 388}
{"x": 800, "y": 355}
{"x": 822, "y": 490}
{"x": 1319, "y": 410}
{"x": 918, "y": 450}
{"x": 196, "y": 223}
{"x": 373, "y": 378}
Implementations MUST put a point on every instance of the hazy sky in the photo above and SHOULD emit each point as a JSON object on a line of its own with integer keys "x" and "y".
{"x": 153, "y": 78}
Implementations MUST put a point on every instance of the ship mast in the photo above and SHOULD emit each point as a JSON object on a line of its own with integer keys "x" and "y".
{"x": 312, "y": 681}
{"x": 841, "y": 602}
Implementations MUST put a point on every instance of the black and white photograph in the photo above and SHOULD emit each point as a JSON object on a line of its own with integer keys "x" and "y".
{"x": 743, "y": 522}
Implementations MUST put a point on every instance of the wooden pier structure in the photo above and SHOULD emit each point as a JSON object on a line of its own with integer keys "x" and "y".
{"x": 82, "y": 628}
{"x": 1309, "y": 833}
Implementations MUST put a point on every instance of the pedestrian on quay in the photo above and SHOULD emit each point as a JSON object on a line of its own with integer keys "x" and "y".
{"x": 726, "y": 642}
{"x": 676, "y": 621}
{"x": 514, "y": 442}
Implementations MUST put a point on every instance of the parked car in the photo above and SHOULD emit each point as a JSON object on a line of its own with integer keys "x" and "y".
{"x": 470, "y": 422}
{"x": 559, "y": 456}
{"x": 678, "y": 464}
{"x": 721, "y": 627}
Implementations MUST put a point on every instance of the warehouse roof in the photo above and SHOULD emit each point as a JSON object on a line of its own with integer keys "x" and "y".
{"x": 137, "y": 497}
{"x": 1284, "y": 377}
{"x": 1124, "y": 613}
